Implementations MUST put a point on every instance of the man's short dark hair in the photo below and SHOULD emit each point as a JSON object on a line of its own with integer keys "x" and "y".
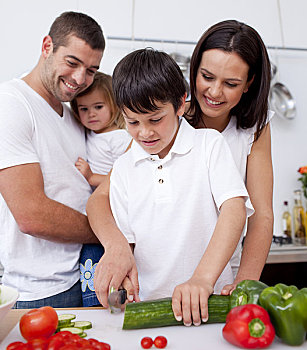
{"x": 79, "y": 24}
{"x": 145, "y": 77}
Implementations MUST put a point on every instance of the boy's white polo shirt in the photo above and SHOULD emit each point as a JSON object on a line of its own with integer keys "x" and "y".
{"x": 169, "y": 207}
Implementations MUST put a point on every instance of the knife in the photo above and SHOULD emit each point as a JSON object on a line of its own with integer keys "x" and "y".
{"x": 117, "y": 299}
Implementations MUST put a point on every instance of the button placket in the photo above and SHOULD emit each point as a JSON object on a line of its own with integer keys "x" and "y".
{"x": 162, "y": 186}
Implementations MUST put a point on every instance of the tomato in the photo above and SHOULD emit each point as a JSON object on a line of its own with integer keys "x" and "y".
{"x": 38, "y": 323}
{"x": 38, "y": 344}
{"x": 146, "y": 343}
{"x": 55, "y": 343}
{"x": 160, "y": 342}
{"x": 16, "y": 345}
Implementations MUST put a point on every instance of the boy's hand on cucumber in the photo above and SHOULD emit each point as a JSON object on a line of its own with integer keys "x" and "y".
{"x": 190, "y": 301}
{"x": 228, "y": 289}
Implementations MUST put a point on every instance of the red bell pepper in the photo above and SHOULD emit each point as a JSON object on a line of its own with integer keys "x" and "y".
{"x": 249, "y": 326}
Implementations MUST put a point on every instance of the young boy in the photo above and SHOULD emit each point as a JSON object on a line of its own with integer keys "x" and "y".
{"x": 176, "y": 194}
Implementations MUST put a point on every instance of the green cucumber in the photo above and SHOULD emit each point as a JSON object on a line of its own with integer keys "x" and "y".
{"x": 83, "y": 324}
{"x": 73, "y": 330}
{"x": 159, "y": 313}
{"x": 65, "y": 320}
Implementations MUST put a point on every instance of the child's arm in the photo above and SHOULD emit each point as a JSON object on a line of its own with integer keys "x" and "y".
{"x": 190, "y": 299}
{"x": 84, "y": 168}
{"x": 118, "y": 261}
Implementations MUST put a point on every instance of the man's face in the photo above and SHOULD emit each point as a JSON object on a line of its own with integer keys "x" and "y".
{"x": 70, "y": 70}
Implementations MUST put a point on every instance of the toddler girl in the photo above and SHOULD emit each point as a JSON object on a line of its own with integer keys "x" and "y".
{"x": 106, "y": 141}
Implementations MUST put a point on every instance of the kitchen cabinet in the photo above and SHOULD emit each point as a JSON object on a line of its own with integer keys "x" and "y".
{"x": 286, "y": 263}
{"x": 115, "y": 17}
{"x": 23, "y": 25}
{"x": 293, "y": 15}
{"x": 186, "y": 21}
{"x": 287, "y": 273}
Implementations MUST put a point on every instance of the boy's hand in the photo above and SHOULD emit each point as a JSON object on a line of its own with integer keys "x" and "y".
{"x": 190, "y": 301}
{"x": 112, "y": 269}
{"x": 84, "y": 168}
{"x": 132, "y": 293}
{"x": 228, "y": 289}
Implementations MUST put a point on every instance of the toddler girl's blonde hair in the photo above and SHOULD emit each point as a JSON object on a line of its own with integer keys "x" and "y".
{"x": 103, "y": 83}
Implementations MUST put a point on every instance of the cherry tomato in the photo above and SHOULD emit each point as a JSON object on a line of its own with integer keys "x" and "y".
{"x": 102, "y": 346}
{"x": 38, "y": 323}
{"x": 38, "y": 344}
{"x": 160, "y": 342}
{"x": 70, "y": 347}
{"x": 55, "y": 343}
{"x": 146, "y": 343}
{"x": 16, "y": 345}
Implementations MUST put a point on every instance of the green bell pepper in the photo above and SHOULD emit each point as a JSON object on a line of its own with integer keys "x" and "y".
{"x": 287, "y": 307}
{"x": 246, "y": 292}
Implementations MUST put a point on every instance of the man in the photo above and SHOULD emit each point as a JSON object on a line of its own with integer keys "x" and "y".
{"x": 43, "y": 195}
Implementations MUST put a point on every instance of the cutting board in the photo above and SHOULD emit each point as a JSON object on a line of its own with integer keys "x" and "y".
{"x": 107, "y": 327}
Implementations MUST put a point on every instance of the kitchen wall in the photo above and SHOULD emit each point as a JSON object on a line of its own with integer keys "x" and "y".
{"x": 175, "y": 26}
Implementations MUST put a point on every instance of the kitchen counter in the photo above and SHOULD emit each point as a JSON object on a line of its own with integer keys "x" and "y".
{"x": 287, "y": 253}
{"x": 108, "y": 327}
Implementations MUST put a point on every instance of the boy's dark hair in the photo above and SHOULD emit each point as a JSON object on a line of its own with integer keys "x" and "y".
{"x": 79, "y": 24}
{"x": 145, "y": 77}
{"x": 103, "y": 83}
{"x": 233, "y": 36}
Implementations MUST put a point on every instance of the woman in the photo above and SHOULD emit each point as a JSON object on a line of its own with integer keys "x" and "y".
{"x": 230, "y": 81}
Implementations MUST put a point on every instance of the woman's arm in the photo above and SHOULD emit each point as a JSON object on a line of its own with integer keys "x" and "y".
{"x": 117, "y": 261}
{"x": 190, "y": 299}
{"x": 260, "y": 226}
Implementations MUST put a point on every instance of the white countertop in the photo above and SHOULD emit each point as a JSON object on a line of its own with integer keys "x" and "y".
{"x": 287, "y": 253}
{"x": 107, "y": 327}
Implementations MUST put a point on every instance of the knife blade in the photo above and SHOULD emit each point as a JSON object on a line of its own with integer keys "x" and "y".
{"x": 117, "y": 299}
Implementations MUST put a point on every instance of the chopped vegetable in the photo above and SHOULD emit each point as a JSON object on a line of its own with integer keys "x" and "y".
{"x": 287, "y": 307}
{"x": 66, "y": 319}
{"x": 61, "y": 340}
{"x": 249, "y": 326}
{"x": 73, "y": 330}
{"x": 83, "y": 324}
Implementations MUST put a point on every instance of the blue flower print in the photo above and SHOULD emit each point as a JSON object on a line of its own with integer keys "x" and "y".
{"x": 87, "y": 275}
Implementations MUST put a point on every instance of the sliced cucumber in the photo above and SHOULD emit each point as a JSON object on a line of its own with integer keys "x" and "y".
{"x": 66, "y": 318}
{"x": 83, "y": 324}
{"x": 73, "y": 330}
{"x": 83, "y": 335}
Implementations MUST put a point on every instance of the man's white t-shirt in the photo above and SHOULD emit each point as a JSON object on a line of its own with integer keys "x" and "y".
{"x": 104, "y": 148}
{"x": 169, "y": 207}
{"x": 32, "y": 132}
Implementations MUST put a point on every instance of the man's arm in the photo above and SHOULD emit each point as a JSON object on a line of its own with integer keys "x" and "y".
{"x": 22, "y": 187}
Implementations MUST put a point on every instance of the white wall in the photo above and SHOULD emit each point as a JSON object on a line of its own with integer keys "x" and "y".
{"x": 169, "y": 23}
